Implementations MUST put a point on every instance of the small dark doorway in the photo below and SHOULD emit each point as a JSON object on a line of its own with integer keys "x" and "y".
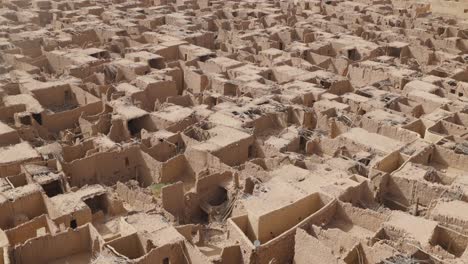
{"x": 52, "y": 188}
{"x": 97, "y": 203}
{"x": 133, "y": 126}
{"x": 73, "y": 224}
{"x": 38, "y": 118}
{"x": 251, "y": 151}
{"x": 25, "y": 120}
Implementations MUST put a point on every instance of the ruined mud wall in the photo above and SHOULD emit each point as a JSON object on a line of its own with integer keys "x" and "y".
{"x": 136, "y": 198}
{"x": 74, "y": 152}
{"x": 449, "y": 158}
{"x": 43, "y": 249}
{"x": 173, "y": 252}
{"x": 450, "y": 7}
{"x": 390, "y": 162}
{"x": 276, "y": 222}
{"x": 130, "y": 246}
{"x": 68, "y": 119}
{"x": 7, "y": 112}
{"x": 200, "y": 160}
{"x": 162, "y": 151}
{"x": 104, "y": 168}
{"x": 175, "y": 169}
{"x": 149, "y": 169}
{"x": 28, "y": 206}
{"x": 27, "y": 230}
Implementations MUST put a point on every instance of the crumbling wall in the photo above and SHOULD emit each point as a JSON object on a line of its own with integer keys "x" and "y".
{"x": 358, "y": 195}
{"x": 424, "y": 156}
{"x": 139, "y": 200}
{"x": 162, "y": 151}
{"x": 105, "y": 168}
{"x": 455, "y": 8}
{"x": 149, "y": 169}
{"x": 30, "y": 230}
{"x": 200, "y": 160}
{"x": 173, "y": 199}
{"x": 449, "y": 158}
{"x": 390, "y": 162}
{"x": 174, "y": 253}
{"x": 366, "y": 218}
{"x": 93, "y": 125}
{"x": 278, "y": 120}
{"x": 14, "y": 168}
{"x": 79, "y": 217}
{"x": 130, "y": 246}
{"x": 71, "y": 153}
{"x": 280, "y": 248}
{"x": 276, "y": 222}
{"x": 206, "y": 185}
{"x": 160, "y": 90}
{"x": 240, "y": 230}
{"x": 408, "y": 191}
{"x": 175, "y": 169}
{"x": 68, "y": 119}
{"x": 43, "y": 249}
{"x": 22, "y": 208}
{"x": 417, "y": 126}
{"x": 399, "y": 134}
{"x": 9, "y": 138}
{"x": 236, "y": 153}
{"x": 7, "y": 113}
{"x": 85, "y": 36}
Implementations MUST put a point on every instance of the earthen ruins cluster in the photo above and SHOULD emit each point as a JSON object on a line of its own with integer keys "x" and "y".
{"x": 234, "y": 131}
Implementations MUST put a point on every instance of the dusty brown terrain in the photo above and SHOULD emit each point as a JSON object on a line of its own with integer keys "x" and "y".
{"x": 230, "y": 132}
